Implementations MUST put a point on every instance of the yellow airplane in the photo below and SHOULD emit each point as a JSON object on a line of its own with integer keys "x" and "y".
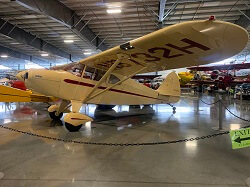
{"x": 185, "y": 77}
{"x": 105, "y": 78}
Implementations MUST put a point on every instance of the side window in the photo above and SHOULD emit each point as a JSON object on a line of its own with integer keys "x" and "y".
{"x": 113, "y": 79}
{"x": 93, "y": 74}
{"x": 98, "y": 74}
{"x": 89, "y": 73}
{"x": 76, "y": 69}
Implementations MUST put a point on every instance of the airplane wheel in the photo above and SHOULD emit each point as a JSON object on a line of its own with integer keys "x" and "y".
{"x": 174, "y": 108}
{"x": 72, "y": 128}
{"x": 54, "y": 116}
{"x": 135, "y": 106}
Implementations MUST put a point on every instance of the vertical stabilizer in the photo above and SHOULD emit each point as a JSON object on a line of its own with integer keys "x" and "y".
{"x": 170, "y": 86}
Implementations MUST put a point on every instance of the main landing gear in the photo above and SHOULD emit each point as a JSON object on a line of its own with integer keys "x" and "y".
{"x": 73, "y": 119}
{"x": 72, "y": 128}
{"x": 54, "y": 116}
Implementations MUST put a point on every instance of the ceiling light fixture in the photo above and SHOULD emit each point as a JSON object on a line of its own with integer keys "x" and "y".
{"x": 44, "y": 54}
{"x": 4, "y": 56}
{"x": 87, "y": 53}
{"x": 114, "y": 11}
{"x": 68, "y": 36}
{"x": 68, "y": 41}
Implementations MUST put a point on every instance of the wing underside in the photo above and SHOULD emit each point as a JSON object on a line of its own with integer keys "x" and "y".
{"x": 182, "y": 45}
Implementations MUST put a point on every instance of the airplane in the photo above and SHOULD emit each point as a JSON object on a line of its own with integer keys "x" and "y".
{"x": 105, "y": 78}
{"x": 4, "y": 81}
{"x": 241, "y": 73}
{"x": 10, "y": 79}
{"x": 223, "y": 75}
{"x": 185, "y": 77}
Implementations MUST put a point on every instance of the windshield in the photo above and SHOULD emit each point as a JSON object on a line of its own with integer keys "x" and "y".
{"x": 76, "y": 69}
{"x": 86, "y": 72}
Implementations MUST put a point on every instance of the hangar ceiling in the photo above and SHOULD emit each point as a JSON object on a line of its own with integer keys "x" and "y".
{"x": 31, "y": 28}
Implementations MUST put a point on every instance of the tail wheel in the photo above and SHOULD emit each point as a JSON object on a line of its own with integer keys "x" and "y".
{"x": 54, "y": 116}
{"x": 72, "y": 128}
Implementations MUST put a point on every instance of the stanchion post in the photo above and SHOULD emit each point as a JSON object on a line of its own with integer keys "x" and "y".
{"x": 198, "y": 104}
{"x": 220, "y": 115}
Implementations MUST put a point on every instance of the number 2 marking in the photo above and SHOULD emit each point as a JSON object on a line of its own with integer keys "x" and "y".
{"x": 166, "y": 52}
{"x": 149, "y": 57}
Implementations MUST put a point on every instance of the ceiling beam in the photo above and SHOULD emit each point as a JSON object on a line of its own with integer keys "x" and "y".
{"x": 178, "y": 10}
{"x": 244, "y": 21}
{"x": 26, "y": 38}
{"x": 64, "y": 15}
{"x": 161, "y": 11}
{"x": 16, "y": 54}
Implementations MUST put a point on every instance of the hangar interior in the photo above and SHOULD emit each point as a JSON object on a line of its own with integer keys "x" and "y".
{"x": 146, "y": 145}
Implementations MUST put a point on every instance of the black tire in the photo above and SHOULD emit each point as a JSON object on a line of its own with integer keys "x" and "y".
{"x": 72, "y": 128}
{"x": 245, "y": 97}
{"x": 53, "y": 115}
{"x": 135, "y": 106}
{"x": 105, "y": 107}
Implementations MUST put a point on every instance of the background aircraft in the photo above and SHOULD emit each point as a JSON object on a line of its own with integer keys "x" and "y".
{"x": 222, "y": 76}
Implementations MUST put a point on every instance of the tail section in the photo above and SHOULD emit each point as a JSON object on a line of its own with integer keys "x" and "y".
{"x": 170, "y": 88}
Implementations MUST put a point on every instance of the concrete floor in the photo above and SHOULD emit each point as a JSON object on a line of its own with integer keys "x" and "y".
{"x": 32, "y": 161}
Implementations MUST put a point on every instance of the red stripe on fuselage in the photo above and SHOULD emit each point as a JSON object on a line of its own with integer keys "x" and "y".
{"x": 102, "y": 87}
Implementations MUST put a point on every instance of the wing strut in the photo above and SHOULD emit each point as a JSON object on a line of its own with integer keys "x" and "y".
{"x": 121, "y": 81}
{"x": 120, "y": 57}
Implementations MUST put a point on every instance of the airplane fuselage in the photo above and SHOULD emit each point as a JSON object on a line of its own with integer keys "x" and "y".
{"x": 67, "y": 86}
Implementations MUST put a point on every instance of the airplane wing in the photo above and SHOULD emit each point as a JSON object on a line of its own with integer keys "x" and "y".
{"x": 64, "y": 66}
{"x": 221, "y": 67}
{"x": 182, "y": 45}
{"x": 8, "y": 94}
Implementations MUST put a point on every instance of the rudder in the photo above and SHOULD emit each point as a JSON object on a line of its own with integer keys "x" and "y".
{"x": 170, "y": 86}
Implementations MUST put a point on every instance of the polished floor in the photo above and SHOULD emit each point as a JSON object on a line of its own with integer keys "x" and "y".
{"x": 32, "y": 161}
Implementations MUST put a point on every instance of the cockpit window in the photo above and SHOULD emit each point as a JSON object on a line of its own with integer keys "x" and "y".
{"x": 93, "y": 74}
{"x": 98, "y": 74}
{"x": 113, "y": 79}
{"x": 26, "y": 75}
{"x": 87, "y": 72}
{"x": 77, "y": 69}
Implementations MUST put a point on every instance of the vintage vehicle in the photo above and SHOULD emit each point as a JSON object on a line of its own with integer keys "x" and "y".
{"x": 245, "y": 90}
{"x": 106, "y": 78}
{"x": 155, "y": 84}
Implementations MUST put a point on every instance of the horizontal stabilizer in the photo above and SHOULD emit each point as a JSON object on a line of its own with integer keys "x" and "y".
{"x": 8, "y": 94}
